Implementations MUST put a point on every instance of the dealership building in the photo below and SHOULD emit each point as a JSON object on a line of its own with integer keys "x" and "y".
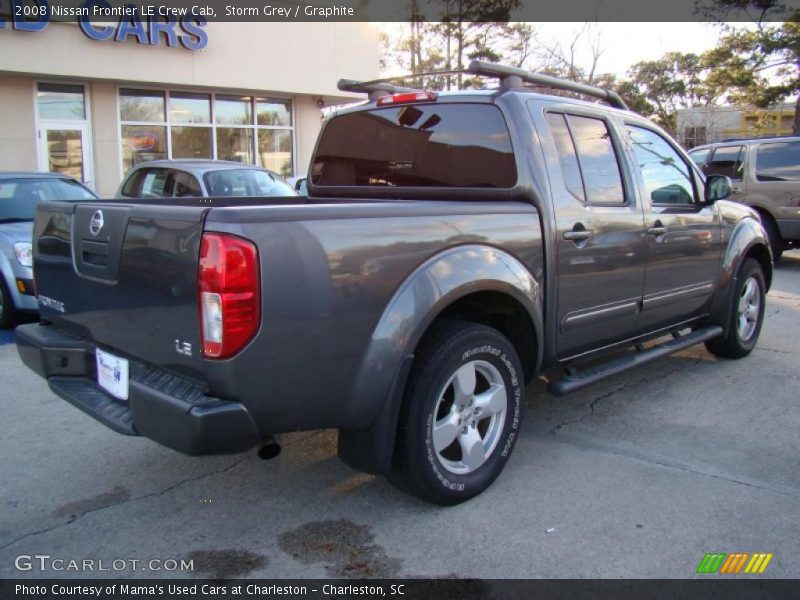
{"x": 94, "y": 99}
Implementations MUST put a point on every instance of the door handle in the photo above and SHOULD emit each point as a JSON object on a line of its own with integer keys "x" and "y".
{"x": 577, "y": 236}
{"x": 736, "y": 190}
{"x": 657, "y": 229}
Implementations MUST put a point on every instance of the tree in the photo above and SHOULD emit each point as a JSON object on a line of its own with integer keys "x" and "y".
{"x": 462, "y": 30}
{"x": 560, "y": 59}
{"x": 757, "y": 65}
{"x": 659, "y": 88}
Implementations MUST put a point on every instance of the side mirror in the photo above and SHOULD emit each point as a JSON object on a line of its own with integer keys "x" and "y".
{"x": 718, "y": 187}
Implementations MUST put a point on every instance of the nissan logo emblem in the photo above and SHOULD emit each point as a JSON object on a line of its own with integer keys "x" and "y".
{"x": 96, "y": 224}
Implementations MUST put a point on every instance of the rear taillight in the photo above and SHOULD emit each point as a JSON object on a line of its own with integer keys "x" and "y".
{"x": 230, "y": 298}
{"x": 407, "y": 97}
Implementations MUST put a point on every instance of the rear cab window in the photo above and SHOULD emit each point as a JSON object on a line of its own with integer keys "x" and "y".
{"x": 417, "y": 145}
{"x": 778, "y": 161}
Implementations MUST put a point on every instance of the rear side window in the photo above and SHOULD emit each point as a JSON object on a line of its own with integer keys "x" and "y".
{"x": 421, "y": 145}
{"x": 585, "y": 142}
{"x": 728, "y": 160}
{"x": 567, "y": 157}
{"x": 154, "y": 183}
{"x": 778, "y": 161}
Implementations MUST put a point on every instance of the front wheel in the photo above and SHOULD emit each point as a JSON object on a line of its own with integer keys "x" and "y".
{"x": 745, "y": 313}
{"x": 461, "y": 414}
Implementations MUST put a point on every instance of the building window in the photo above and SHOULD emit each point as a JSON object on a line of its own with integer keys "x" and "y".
{"x": 173, "y": 124}
{"x": 694, "y": 136}
{"x": 63, "y": 139}
{"x": 61, "y": 102}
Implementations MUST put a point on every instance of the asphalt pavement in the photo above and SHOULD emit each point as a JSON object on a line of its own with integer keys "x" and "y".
{"x": 637, "y": 477}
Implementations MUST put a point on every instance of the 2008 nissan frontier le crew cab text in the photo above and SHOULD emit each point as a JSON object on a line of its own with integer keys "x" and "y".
{"x": 453, "y": 246}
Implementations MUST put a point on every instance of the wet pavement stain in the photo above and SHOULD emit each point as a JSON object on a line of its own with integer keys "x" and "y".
{"x": 226, "y": 564}
{"x": 345, "y": 548}
{"x": 116, "y": 496}
{"x": 352, "y": 484}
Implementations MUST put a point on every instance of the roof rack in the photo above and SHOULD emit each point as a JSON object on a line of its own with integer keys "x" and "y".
{"x": 375, "y": 89}
{"x": 512, "y": 77}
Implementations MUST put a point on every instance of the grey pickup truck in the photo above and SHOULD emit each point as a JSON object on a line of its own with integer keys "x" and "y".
{"x": 453, "y": 246}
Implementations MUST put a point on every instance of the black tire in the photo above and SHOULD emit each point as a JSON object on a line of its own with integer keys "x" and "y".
{"x": 735, "y": 344}
{"x": 453, "y": 348}
{"x": 9, "y": 315}
{"x": 776, "y": 242}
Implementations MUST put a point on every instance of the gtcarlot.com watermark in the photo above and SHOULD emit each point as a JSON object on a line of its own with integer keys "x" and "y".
{"x": 45, "y": 563}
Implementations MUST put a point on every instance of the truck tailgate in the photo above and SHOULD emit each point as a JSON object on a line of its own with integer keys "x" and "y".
{"x": 124, "y": 276}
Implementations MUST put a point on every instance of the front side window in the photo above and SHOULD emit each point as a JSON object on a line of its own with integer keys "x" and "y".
{"x": 778, "y": 161}
{"x": 667, "y": 178}
{"x": 185, "y": 185}
{"x": 700, "y": 157}
{"x": 420, "y": 145}
{"x": 728, "y": 160}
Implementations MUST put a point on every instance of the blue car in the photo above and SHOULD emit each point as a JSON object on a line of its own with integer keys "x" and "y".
{"x": 19, "y": 194}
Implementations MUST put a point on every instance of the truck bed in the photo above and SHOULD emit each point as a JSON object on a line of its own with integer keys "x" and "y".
{"x": 329, "y": 270}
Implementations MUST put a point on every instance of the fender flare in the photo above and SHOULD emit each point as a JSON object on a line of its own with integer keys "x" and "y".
{"x": 747, "y": 234}
{"x": 423, "y": 296}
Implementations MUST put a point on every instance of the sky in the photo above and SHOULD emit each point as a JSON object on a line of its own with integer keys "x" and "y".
{"x": 623, "y": 44}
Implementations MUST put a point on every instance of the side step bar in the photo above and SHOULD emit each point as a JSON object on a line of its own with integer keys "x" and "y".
{"x": 580, "y": 379}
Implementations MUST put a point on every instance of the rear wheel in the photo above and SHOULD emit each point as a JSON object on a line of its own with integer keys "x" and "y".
{"x": 745, "y": 313}
{"x": 8, "y": 312}
{"x": 461, "y": 414}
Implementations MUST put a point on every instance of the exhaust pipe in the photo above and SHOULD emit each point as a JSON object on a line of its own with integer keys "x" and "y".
{"x": 270, "y": 448}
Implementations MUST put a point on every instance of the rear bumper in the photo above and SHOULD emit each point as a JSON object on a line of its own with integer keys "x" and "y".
{"x": 167, "y": 409}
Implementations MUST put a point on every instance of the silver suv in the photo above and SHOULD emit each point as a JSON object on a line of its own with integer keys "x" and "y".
{"x": 766, "y": 176}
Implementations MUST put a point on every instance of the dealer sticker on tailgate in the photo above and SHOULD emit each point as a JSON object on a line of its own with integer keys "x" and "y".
{"x": 112, "y": 374}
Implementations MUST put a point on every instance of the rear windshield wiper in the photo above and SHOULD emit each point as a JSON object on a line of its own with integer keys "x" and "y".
{"x": 16, "y": 219}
